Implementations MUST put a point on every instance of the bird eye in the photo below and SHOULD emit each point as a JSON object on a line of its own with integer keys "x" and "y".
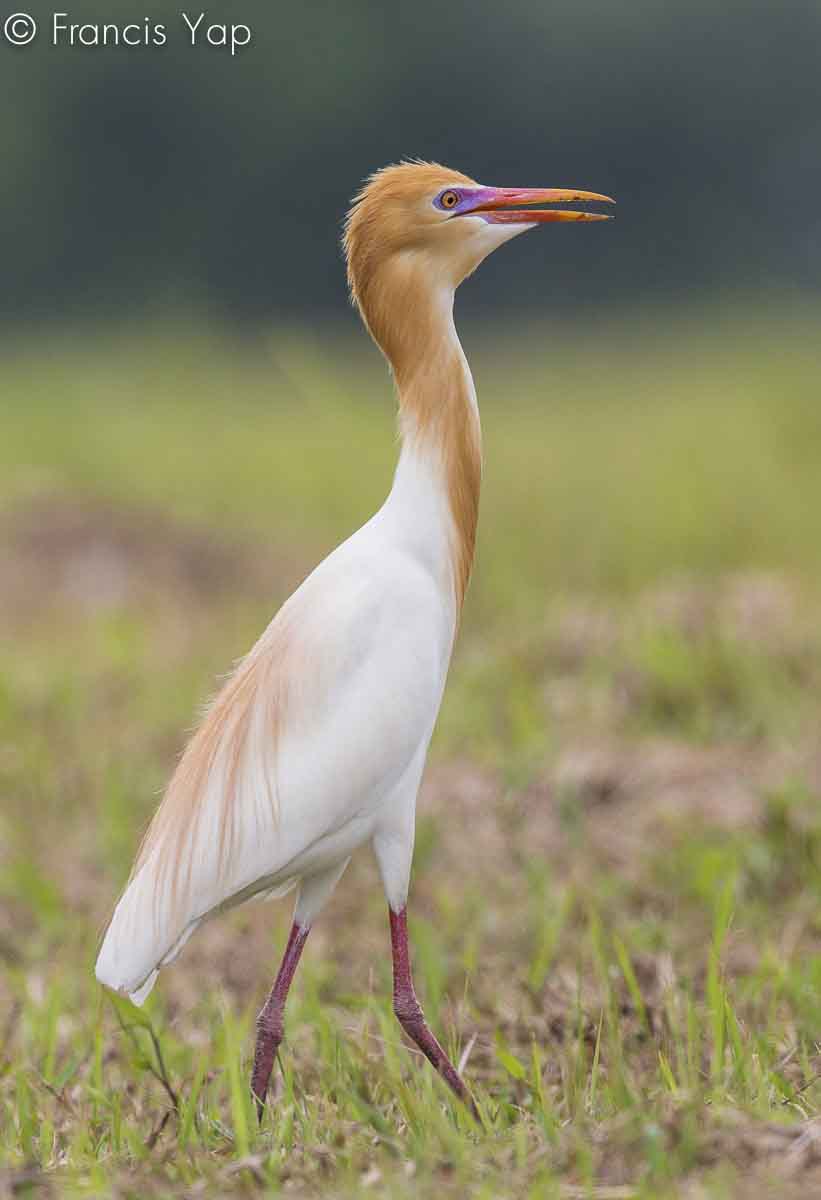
{"x": 449, "y": 199}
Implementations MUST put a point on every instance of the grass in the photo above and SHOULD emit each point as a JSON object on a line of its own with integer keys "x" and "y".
{"x": 616, "y": 893}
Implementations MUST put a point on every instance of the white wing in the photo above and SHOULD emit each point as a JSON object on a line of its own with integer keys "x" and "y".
{"x": 304, "y": 743}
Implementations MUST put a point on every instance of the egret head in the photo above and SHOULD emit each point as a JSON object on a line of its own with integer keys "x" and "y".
{"x": 418, "y": 229}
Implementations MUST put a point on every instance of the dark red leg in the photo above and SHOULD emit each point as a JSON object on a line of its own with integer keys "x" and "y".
{"x": 409, "y": 1010}
{"x": 270, "y": 1025}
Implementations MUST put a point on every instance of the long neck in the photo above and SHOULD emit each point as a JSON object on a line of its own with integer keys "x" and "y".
{"x": 435, "y": 494}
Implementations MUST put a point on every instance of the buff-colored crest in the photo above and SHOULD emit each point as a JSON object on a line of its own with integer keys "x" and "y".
{"x": 389, "y": 214}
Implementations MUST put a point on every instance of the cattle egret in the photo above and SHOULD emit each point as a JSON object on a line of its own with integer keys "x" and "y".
{"x": 317, "y": 742}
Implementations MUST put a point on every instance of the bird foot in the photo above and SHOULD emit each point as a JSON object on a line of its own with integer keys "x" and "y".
{"x": 264, "y": 1055}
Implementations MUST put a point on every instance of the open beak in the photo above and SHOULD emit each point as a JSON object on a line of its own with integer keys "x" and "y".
{"x": 502, "y": 206}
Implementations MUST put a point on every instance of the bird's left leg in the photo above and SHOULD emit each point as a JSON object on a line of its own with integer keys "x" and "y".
{"x": 313, "y": 893}
{"x": 394, "y": 850}
{"x": 409, "y": 1011}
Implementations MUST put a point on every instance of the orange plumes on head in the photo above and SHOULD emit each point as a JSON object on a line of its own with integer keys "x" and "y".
{"x": 390, "y": 221}
{"x": 391, "y": 213}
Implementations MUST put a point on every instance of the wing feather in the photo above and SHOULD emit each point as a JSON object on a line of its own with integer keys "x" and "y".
{"x": 233, "y": 754}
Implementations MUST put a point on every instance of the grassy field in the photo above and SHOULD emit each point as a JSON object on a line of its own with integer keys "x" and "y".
{"x": 615, "y": 911}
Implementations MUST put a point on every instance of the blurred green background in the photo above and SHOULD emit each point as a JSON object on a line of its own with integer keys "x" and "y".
{"x": 149, "y": 177}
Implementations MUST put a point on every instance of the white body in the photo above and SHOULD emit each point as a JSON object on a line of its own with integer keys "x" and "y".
{"x": 375, "y": 625}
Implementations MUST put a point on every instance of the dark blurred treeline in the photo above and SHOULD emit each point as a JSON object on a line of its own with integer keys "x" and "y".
{"x": 148, "y": 177}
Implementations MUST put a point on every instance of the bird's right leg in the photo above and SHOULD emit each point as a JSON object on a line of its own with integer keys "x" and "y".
{"x": 270, "y": 1022}
{"x": 313, "y": 893}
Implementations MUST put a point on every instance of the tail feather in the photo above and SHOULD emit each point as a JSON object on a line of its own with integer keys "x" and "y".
{"x": 138, "y": 940}
{"x": 139, "y": 997}
{"x": 145, "y": 935}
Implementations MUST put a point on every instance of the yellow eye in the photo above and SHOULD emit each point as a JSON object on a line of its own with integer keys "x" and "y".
{"x": 449, "y": 199}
